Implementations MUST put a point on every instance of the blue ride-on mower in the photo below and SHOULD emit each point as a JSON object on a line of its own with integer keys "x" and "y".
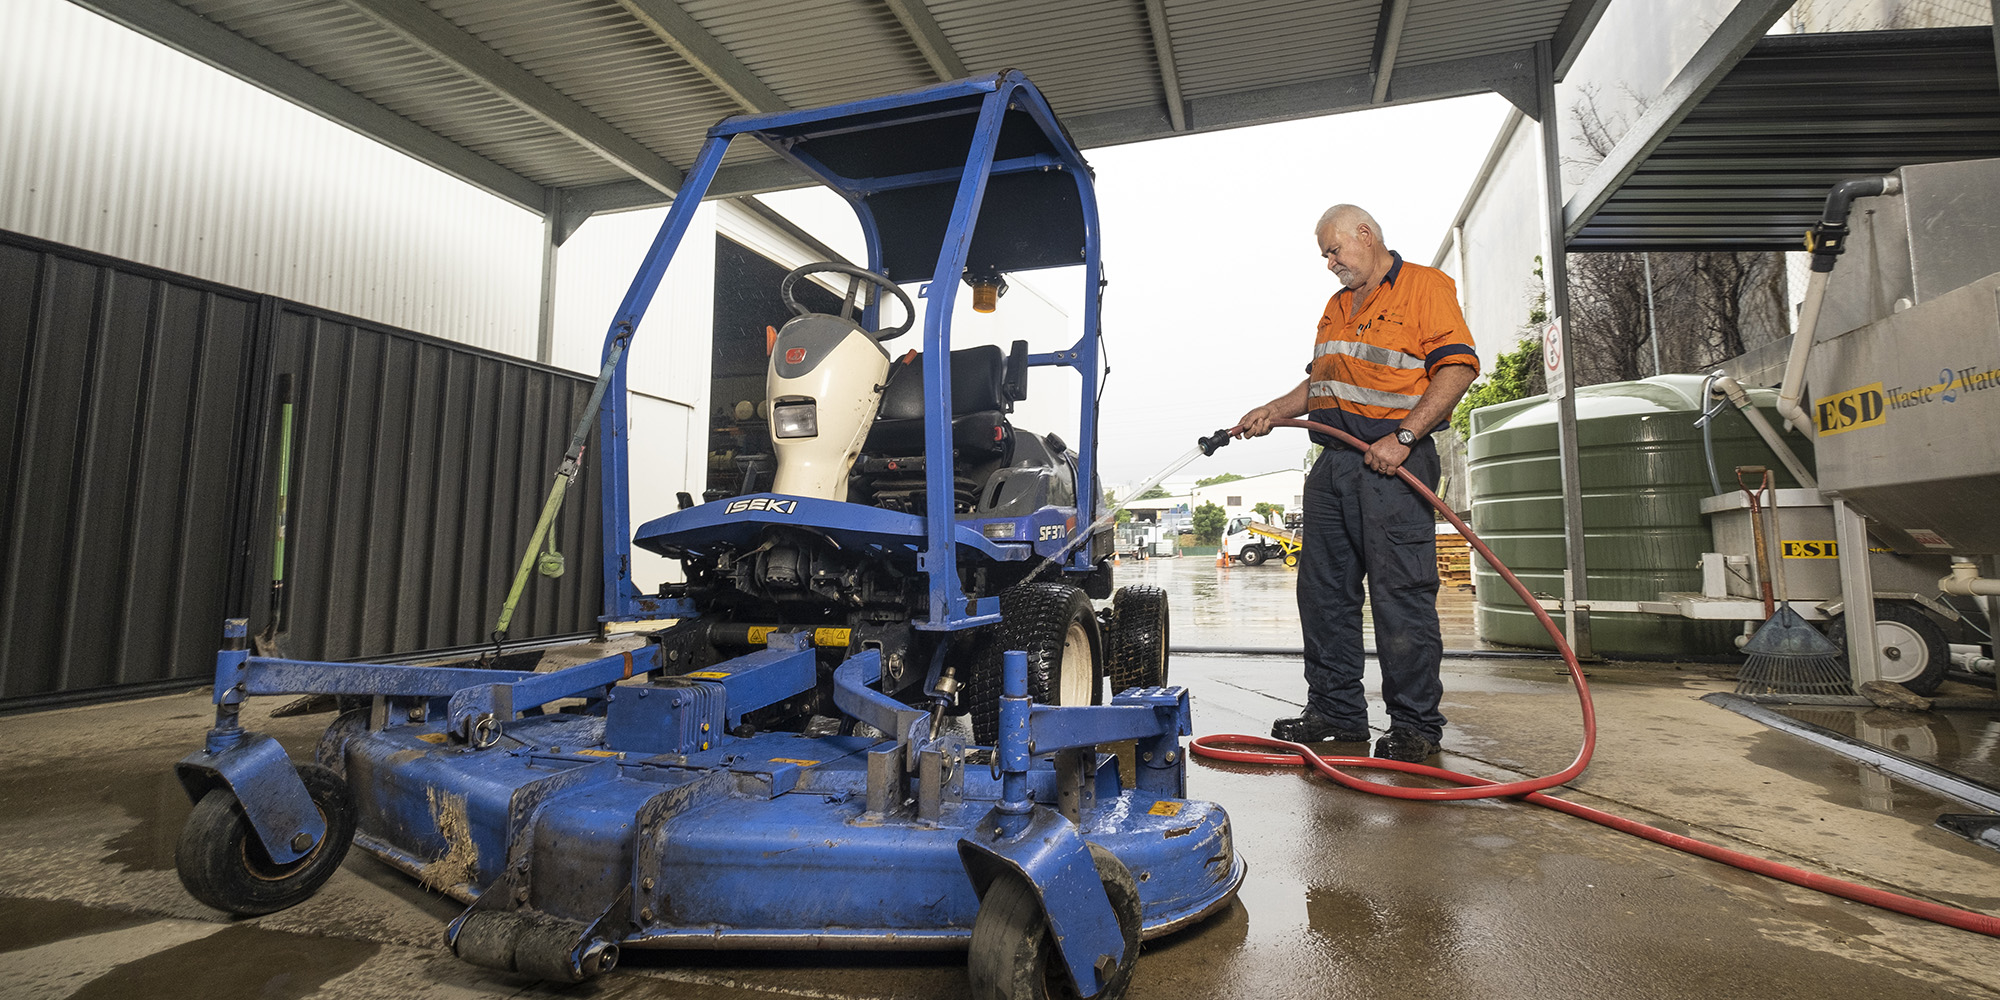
{"x": 782, "y": 763}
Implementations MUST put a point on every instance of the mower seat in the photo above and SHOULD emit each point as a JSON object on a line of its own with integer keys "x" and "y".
{"x": 979, "y": 404}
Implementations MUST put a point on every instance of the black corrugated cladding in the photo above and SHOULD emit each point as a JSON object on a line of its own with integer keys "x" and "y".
{"x": 133, "y": 402}
{"x": 419, "y": 467}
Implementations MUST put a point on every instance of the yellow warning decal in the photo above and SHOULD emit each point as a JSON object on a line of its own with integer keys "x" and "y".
{"x": 1850, "y": 410}
{"x": 599, "y": 753}
{"x": 1164, "y": 808}
{"x": 761, "y": 634}
{"x": 832, "y": 636}
{"x": 433, "y": 737}
{"x": 793, "y": 760}
{"x": 708, "y": 675}
{"x": 1810, "y": 549}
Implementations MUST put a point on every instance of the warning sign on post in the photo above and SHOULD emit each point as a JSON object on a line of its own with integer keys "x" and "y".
{"x": 1554, "y": 359}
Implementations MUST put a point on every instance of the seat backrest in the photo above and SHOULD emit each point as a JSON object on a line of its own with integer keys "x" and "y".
{"x": 976, "y": 384}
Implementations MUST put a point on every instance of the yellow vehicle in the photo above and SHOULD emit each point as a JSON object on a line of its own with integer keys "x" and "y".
{"x": 1250, "y": 541}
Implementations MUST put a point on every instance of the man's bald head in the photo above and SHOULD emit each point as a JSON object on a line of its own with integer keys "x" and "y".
{"x": 1351, "y": 241}
{"x": 1347, "y": 220}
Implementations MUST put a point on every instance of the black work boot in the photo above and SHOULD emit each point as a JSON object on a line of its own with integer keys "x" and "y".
{"x": 1406, "y": 745}
{"x": 1315, "y": 728}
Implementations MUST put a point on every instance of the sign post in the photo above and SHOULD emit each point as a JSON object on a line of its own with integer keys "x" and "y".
{"x": 1554, "y": 363}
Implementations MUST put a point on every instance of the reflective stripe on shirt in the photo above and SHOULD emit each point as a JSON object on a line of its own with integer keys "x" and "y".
{"x": 1357, "y": 394}
{"x": 1369, "y": 352}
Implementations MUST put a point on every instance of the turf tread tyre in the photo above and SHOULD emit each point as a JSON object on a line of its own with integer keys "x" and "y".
{"x": 1135, "y": 649}
{"x": 1012, "y": 956}
{"x": 223, "y": 864}
{"x": 1922, "y": 678}
{"x": 1036, "y": 618}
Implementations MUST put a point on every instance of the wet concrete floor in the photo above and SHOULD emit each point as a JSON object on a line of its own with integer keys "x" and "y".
{"x": 1348, "y": 895}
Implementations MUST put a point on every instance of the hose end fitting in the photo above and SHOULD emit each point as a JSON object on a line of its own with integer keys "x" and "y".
{"x": 1214, "y": 441}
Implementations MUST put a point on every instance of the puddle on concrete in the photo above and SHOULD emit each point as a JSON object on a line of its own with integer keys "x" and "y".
{"x": 1845, "y": 782}
{"x": 242, "y": 962}
{"x": 31, "y": 923}
{"x": 1964, "y": 743}
{"x": 160, "y": 807}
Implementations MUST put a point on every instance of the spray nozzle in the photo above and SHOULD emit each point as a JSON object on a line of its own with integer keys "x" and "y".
{"x": 1209, "y": 444}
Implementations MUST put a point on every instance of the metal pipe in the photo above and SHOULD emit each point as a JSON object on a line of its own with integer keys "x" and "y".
{"x": 1740, "y": 398}
{"x": 1652, "y": 327}
{"x": 1966, "y": 582}
{"x": 1826, "y": 241}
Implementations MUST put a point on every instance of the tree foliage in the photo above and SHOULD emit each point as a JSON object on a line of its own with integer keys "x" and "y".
{"x": 1268, "y": 511}
{"x": 1209, "y": 520}
{"x": 1154, "y": 494}
{"x": 1227, "y": 477}
{"x": 1516, "y": 374}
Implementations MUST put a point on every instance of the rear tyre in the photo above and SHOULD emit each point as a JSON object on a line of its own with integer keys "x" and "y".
{"x": 1136, "y": 649}
{"x": 1012, "y": 956}
{"x": 1054, "y": 624}
{"x": 1910, "y": 646}
{"x": 222, "y": 862}
{"x": 1252, "y": 555}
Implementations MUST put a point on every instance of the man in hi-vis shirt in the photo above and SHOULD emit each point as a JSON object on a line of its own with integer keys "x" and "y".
{"x": 1392, "y": 358}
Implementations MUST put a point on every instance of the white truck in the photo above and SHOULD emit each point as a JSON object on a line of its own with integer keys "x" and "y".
{"x": 1250, "y": 541}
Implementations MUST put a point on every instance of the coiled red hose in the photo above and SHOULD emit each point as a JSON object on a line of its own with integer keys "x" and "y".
{"x": 1219, "y": 747}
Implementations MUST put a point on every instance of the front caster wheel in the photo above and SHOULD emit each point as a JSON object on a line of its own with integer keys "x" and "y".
{"x": 1013, "y": 956}
{"x": 223, "y": 864}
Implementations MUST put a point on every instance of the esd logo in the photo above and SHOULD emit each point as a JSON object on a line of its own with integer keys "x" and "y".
{"x": 1850, "y": 410}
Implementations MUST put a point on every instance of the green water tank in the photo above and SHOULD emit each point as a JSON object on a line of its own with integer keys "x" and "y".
{"x": 1644, "y": 475}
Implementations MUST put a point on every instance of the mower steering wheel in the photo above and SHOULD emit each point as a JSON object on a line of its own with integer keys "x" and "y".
{"x": 858, "y": 274}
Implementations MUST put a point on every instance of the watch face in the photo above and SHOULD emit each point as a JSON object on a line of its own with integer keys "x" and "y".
{"x": 1405, "y": 437}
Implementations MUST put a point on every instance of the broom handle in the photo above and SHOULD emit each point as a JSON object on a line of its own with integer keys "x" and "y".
{"x": 1759, "y": 552}
{"x": 1777, "y": 542}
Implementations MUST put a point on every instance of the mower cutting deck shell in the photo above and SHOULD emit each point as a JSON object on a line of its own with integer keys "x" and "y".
{"x": 774, "y": 767}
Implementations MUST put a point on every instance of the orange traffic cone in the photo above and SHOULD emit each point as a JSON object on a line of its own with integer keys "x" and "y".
{"x": 1114, "y": 560}
{"x": 1221, "y": 558}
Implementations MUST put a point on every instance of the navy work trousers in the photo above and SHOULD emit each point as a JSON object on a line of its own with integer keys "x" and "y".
{"x": 1360, "y": 525}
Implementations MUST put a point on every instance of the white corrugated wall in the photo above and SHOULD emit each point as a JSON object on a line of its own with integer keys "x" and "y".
{"x": 114, "y": 143}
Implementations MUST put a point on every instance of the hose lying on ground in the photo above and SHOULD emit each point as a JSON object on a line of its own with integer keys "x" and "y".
{"x": 1220, "y": 747}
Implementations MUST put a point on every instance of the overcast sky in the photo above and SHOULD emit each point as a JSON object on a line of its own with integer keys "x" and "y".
{"x": 1216, "y": 284}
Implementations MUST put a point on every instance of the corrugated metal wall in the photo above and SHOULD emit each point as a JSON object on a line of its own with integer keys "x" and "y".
{"x": 116, "y": 144}
{"x": 120, "y": 398}
{"x": 133, "y": 403}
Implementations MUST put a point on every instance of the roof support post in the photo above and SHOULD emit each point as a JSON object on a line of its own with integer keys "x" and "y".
{"x": 1576, "y": 588}
{"x": 1170, "y": 77}
{"x": 545, "y": 331}
{"x": 923, "y": 30}
{"x": 1388, "y": 39}
{"x": 1996, "y": 33}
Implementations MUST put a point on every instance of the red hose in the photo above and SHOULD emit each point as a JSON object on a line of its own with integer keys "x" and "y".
{"x": 1472, "y": 787}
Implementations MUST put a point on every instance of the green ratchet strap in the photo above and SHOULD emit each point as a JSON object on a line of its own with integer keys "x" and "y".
{"x": 571, "y": 463}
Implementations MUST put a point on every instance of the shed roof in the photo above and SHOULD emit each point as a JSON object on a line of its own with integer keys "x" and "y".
{"x": 577, "y": 106}
{"x": 1748, "y": 166}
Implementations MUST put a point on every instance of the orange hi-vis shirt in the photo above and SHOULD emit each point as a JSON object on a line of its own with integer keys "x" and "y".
{"x": 1370, "y": 367}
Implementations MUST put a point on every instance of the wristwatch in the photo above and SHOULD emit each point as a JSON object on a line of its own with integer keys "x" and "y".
{"x": 1405, "y": 437}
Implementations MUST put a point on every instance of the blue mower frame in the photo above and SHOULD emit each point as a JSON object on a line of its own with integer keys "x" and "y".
{"x": 630, "y": 801}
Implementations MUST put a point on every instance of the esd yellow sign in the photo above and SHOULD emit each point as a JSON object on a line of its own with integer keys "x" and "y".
{"x": 1850, "y": 410}
{"x": 1810, "y": 550}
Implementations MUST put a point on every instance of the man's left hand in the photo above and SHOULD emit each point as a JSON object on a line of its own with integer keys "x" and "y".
{"x": 1386, "y": 455}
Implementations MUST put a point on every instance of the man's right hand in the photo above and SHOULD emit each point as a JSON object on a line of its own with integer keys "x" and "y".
{"x": 1256, "y": 423}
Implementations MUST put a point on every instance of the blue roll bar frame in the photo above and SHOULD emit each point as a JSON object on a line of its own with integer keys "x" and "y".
{"x": 997, "y": 94}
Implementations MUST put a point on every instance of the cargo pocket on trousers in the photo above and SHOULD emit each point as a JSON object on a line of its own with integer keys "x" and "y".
{"x": 1412, "y": 534}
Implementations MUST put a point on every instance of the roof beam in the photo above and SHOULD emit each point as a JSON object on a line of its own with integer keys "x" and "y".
{"x": 1170, "y": 77}
{"x": 185, "y": 31}
{"x": 1510, "y": 74}
{"x": 1388, "y": 38}
{"x": 444, "y": 40}
{"x": 1733, "y": 38}
{"x": 708, "y": 56}
{"x": 923, "y": 30}
{"x": 580, "y": 203}
{"x": 1579, "y": 20}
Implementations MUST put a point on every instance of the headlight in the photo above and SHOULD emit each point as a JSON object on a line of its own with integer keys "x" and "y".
{"x": 795, "y": 420}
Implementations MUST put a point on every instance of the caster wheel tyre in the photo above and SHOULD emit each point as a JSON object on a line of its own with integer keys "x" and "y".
{"x": 223, "y": 864}
{"x": 1292, "y": 559}
{"x": 1253, "y": 555}
{"x": 1911, "y": 647}
{"x": 1135, "y": 652}
{"x": 1012, "y": 955}
{"x": 1056, "y": 626}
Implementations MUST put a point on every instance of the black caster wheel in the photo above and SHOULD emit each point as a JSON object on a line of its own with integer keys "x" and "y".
{"x": 1012, "y": 955}
{"x": 223, "y": 864}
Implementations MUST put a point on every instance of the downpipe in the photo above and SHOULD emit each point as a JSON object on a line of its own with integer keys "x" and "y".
{"x": 1826, "y": 241}
{"x": 1965, "y": 581}
{"x": 1224, "y": 747}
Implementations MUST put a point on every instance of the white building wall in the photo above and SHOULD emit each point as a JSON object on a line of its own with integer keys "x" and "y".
{"x": 114, "y": 143}
{"x": 1285, "y": 488}
{"x": 1493, "y": 259}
